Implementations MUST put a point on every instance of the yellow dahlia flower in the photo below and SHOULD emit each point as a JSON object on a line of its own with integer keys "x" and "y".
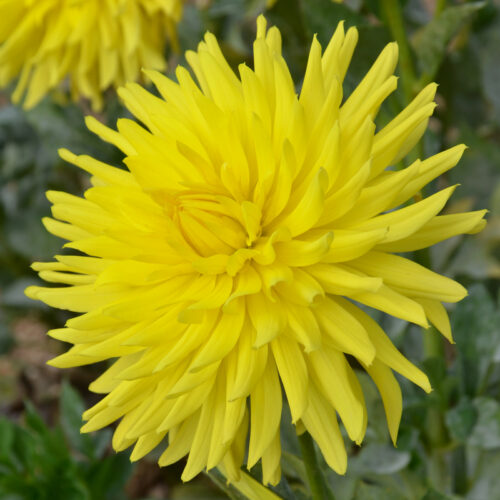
{"x": 96, "y": 43}
{"x": 228, "y": 260}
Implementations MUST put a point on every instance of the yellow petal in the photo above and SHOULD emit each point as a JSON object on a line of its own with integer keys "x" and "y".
{"x": 329, "y": 371}
{"x": 303, "y": 326}
{"x": 320, "y": 420}
{"x": 251, "y": 488}
{"x": 338, "y": 280}
{"x": 385, "y": 350}
{"x": 394, "y": 303}
{"x": 222, "y": 339}
{"x": 81, "y": 298}
{"x": 381, "y": 69}
{"x": 409, "y": 278}
{"x": 271, "y": 463}
{"x": 438, "y": 316}
{"x": 106, "y": 134}
{"x": 386, "y": 148}
{"x": 145, "y": 444}
{"x": 304, "y": 291}
{"x": 428, "y": 170}
{"x": 246, "y": 366}
{"x": 310, "y": 207}
{"x": 293, "y": 374}
{"x": 312, "y": 94}
{"x": 267, "y": 318}
{"x": 108, "y": 174}
{"x": 265, "y": 402}
{"x": 406, "y": 221}
{"x": 437, "y": 229}
{"x": 346, "y": 332}
{"x": 347, "y": 245}
{"x": 64, "y": 230}
{"x": 378, "y": 196}
{"x": 299, "y": 253}
{"x": 180, "y": 445}
{"x": 391, "y": 395}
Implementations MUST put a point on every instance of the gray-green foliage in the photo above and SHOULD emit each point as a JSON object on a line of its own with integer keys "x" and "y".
{"x": 42, "y": 463}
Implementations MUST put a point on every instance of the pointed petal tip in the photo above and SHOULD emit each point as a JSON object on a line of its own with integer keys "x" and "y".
{"x": 426, "y": 386}
{"x": 352, "y": 31}
{"x": 32, "y": 291}
{"x": 65, "y": 153}
{"x": 86, "y": 428}
{"x": 46, "y": 220}
{"x": 50, "y": 194}
{"x": 187, "y": 476}
{"x": 341, "y": 469}
{"x": 52, "y": 362}
{"x": 89, "y": 119}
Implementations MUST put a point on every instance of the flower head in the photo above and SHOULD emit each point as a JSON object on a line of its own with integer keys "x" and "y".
{"x": 96, "y": 43}
{"x": 227, "y": 261}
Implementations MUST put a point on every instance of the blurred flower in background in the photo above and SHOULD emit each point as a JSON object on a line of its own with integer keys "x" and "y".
{"x": 222, "y": 261}
{"x": 97, "y": 44}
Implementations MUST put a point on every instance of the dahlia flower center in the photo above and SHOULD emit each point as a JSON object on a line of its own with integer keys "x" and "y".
{"x": 211, "y": 224}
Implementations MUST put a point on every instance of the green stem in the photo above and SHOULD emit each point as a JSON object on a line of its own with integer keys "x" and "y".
{"x": 433, "y": 348}
{"x": 459, "y": 465}
{"x": 219, "y": 480}
{"x": 440, "y": 6}
{"x": 433, "y": 344}
{"x": 435, "y": 431}
{"x": 391, "y": 10}
{"x": 317, "y": 485}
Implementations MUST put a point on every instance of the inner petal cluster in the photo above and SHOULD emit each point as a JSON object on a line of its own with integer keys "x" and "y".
{"x": 97, "y": 44}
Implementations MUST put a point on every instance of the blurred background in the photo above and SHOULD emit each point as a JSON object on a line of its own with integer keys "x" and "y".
{"x": 449, "y": 441}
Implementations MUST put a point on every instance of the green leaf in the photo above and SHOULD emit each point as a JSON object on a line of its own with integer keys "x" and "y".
{"x": 366, "y": 491}
{"x": 379, "y": 459}
{"x": 7, "y": 436}
{"x": 34, "y": 421}
{"x": 461, "y": 419}
{"x": 107, "y": 477}
{"x": 490, "y": 69}
{"x": 293, "y": 466}
{"x": 322, "y": 16}
{"x": 430, "y": 43}
{"x": 486, "y": 432}
{"x": 27, "y": 236}
{"x": 432, "y": 494}
{"x": 71, "y": 409}
{"x": 23, "y": 450}
{"x": 475, "y": 328}
{"x": 487, "y": 484}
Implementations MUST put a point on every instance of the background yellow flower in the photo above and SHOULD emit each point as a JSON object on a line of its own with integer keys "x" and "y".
{"x": 232, "y": 253}
{"x": 97, "y": 44}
